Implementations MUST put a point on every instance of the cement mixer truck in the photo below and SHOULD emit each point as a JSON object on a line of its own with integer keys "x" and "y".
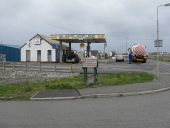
{"x": 139, "y": 53}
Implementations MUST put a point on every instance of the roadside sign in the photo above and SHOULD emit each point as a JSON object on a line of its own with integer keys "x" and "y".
{"x": 89, "y": 62}
{"x": 158, "y": 43}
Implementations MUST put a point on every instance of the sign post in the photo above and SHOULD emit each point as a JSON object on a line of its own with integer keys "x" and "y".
{"x": 89, "y": 63}
{"x": 85, "y": 74}
{"x": 95, "y": 75}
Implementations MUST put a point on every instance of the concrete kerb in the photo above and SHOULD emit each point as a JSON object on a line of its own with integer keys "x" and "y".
{"x": 103, "y": 95}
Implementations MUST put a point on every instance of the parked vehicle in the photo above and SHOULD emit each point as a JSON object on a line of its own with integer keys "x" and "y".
{"x": 70, "y": 57}
{"x": 120, "y": 58}
{"x": 138, "y": 52}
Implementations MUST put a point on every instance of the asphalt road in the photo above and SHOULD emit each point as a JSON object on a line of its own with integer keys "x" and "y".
{"x": 146, "y": 111}
{"x": 150, "y": 66}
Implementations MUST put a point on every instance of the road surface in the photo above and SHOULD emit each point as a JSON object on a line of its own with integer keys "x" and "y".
{"x": 146, "y": 111}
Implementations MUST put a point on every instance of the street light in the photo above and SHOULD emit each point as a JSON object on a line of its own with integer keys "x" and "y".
{"x": 168, "y": 4}
{"x": 157, "y": 66}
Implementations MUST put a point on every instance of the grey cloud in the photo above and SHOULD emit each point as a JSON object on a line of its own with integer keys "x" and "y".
{"x": 118, "y": 19}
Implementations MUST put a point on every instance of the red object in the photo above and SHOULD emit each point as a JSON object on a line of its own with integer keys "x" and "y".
{"x": 138, "y": 49}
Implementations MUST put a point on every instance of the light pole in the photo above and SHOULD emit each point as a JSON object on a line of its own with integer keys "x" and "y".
{"x": 157, "y": 41}
{"x": 105, "y": 45}
{"x": 126, "y": 45}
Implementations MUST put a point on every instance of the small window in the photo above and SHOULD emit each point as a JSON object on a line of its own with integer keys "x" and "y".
{"x": 49, "y": 55}
{"x": 28, "y": 55}
{"x": 49, "y": 52}
{"x": 39, "y": 55}
{"x": 37, "y": 41}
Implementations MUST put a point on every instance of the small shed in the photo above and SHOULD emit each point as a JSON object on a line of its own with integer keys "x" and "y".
{"x": 41, "y": 48}
{"x": 9, "y": 53}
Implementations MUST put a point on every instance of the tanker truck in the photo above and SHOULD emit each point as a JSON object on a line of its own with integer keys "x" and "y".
{"x": 138, "y": 52}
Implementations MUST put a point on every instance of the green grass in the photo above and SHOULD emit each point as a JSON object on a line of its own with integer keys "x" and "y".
{"x": 165, "y": 60}
{"x": 24, "y": 91}
{"x": 124, "y": 78}
{"x": 19, "y": 91}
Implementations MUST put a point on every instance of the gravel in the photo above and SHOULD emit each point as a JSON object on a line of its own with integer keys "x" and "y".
{"x": 10, "y": 76}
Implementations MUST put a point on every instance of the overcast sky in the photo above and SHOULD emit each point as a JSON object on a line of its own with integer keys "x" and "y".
{"x": 120, "y": 20}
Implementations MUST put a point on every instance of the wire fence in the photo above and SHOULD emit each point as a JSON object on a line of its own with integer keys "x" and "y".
{"x": 17, "y": 72}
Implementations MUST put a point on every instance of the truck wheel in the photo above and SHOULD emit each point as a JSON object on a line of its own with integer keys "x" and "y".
{"x": 144, "y": 61}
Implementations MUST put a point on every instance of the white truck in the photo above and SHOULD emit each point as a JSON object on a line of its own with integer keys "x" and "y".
{"x": 139, "y": 53}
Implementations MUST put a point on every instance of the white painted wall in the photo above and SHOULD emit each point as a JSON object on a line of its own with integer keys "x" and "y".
{"x": 34, "y": 45}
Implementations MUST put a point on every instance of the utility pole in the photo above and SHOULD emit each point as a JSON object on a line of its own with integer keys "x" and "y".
{"x": 158, "y": 40}
{"x": 104, "y": 49}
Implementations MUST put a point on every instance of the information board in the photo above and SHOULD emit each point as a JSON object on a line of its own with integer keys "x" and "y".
{"x": 158, "y": 43}
{"x": 89, "y": 62}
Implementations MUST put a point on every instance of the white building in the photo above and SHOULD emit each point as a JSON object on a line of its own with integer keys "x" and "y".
{"x": 42, "y": 48}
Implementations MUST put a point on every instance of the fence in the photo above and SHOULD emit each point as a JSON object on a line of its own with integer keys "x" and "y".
{"x": 165, "y": 58}
{"x": 36, "y": 66}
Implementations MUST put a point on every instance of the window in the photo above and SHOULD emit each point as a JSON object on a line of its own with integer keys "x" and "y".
{"x": 28, "y": 58}
{"x": 38, "y": 55}
{"x": 49, "y": 55}
{"x": 37, "y": 41}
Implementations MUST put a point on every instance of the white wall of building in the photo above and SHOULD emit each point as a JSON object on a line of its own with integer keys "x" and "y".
{"x": 37, "y": 44}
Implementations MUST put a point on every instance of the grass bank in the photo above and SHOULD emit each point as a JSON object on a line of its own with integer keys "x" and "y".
{"x": 24, "y": 91}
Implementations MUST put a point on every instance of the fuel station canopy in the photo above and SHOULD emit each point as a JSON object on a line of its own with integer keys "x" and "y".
{"x": 79, "y": 38}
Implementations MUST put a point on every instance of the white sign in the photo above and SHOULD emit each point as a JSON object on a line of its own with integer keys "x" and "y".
{"x": 89, "y": 62}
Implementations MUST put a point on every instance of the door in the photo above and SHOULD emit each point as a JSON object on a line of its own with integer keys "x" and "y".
{"x": 28, "y": 55}
{"x": 38, "y": 55}
{"x": 49, "y": 56}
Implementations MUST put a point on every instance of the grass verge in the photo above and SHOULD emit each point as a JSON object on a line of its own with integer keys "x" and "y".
{"x": 24, "y": 91}
{"x": 165, "y": 60}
